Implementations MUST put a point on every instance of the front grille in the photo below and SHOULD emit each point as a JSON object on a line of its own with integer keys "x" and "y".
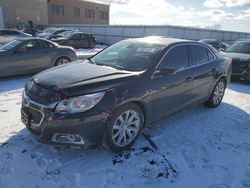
{"x": 41, "y": 95}
{"x": 35, "y": 116}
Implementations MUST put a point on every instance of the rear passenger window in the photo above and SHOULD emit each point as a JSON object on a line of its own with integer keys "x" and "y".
{"x": 176, "y": 58}
{"x": 43, "y": 44}
{"x": 84, "y": 36}
{"x": 199, "y": 54}
{"x": 210, "y": 56}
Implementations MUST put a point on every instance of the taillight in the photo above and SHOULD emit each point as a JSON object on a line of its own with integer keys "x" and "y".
{"x": 74, "y": 51}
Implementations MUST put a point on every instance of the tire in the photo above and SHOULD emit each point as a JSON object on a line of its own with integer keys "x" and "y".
{"x": 217, "y": 94}
{"x": 121, "y": 136}
{"x": 62, "y": 60}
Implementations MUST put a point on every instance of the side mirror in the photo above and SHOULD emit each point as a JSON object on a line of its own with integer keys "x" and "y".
{"x": 166, "y": 71}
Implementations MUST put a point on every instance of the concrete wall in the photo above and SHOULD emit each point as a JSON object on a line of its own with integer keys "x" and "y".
{"x": 113, "y": 33}
{"x": 1, "y": 18}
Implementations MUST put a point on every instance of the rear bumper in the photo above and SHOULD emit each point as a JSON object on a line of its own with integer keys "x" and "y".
{"x": 81, "y": 130}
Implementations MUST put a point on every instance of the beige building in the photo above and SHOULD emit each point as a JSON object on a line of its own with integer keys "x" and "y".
{"x": 43, "y": 12}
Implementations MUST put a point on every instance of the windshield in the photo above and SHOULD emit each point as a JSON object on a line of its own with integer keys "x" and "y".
{"x": 128, "y": 55}
{"x": 10, "y": 45}
{"x": 239, "y": 47}
{"x": 66, "y": 34}
{"x": 50, "y": 30}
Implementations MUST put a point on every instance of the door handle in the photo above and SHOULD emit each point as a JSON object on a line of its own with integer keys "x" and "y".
{"x": 189, "y": 79}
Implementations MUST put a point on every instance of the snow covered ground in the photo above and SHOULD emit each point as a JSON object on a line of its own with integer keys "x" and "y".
{"x": 196, "y": 148}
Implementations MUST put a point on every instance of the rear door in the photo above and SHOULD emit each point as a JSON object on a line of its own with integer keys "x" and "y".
{"x": 31, "y": 57}
{"x": 204, "y": 70}
{"x": 84, "y": 41}
{"x": 74, "y": 41}
{"x": 173, "y": 92}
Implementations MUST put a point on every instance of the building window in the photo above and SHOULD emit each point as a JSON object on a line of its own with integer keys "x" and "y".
{"x": 103, "y": 15}
{"x": 57, "y": 9}
{"x": 89, "y": 13}
{"x": 77, "y": 12}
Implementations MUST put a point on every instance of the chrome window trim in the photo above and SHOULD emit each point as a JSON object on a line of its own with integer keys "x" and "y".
{"x": 185, "y": 44}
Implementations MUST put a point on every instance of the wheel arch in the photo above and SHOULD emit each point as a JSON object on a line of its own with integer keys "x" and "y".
{"x": 62, "y": 56}
{"x": 145, "y": 110}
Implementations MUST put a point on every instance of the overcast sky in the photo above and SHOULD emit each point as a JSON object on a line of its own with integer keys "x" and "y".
{"x": 230, "y": 14}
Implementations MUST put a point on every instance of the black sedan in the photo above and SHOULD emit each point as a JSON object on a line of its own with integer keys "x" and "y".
{"x": 217, "y": 44}
{"x": 122, "y": 89}
{"x": 76, "y": 40}
{"x": 32, "y": 55}
{"x": 239, "y": 51}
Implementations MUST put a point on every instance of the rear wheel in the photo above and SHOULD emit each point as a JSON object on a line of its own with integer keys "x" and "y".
{"x": 217, "y": 94}
{"x": 62, "y": 60}
{"x": 124, "y": 127}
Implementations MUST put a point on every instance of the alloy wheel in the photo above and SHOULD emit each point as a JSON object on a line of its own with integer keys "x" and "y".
{"x": 218, "y": 92}
{"x": 62, "y": 61}
{"x": 126, "y": 128}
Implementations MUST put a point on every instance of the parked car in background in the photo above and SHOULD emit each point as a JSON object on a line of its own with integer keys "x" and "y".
{"x": 217, "y": 44}
{"x": 52, "y": 32}
{"x": 8, "y": 35}
{"x": 61, "y": 35}
{"x": 77, "y": 40}
{"x": 32, "y": 55}
{"x": 113, "y": 95}
{"x": 33, "y": 32}
{"x": 239, "y": 51}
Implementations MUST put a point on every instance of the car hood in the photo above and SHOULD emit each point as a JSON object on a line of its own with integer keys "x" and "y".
{"x": 80, "y": 78}
{"x": 237, "y": 55}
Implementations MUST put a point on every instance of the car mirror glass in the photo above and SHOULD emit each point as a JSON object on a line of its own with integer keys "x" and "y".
{"x": 167, "y": 71}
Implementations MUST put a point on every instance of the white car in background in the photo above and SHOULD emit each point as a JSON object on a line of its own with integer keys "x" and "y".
{"x": 8, "y": 35}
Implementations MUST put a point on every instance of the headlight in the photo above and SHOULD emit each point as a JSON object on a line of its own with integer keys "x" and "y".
{"x": 79, "y": 104}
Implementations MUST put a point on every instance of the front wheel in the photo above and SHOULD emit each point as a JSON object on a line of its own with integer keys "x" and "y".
{"x": 62, "y": 61}
{"x": 217, "y": 94}
{"x": 124, "y": 127}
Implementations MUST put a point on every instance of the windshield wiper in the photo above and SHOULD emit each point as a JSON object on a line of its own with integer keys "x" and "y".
{"x": 115, "y": 67}
{"x": 91, "y": 61}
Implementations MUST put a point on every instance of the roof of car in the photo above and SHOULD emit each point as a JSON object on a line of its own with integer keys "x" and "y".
{"x": 31, "y": 38}
{"x": 160, "y": 40}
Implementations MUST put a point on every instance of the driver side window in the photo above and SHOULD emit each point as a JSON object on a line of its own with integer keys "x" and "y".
{"x": 29, "y": 46}
{"x": 176, "y": 58}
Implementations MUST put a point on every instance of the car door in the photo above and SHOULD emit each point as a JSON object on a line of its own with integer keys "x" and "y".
{"x": 204, "y": 70}
{"x": 74, "y": 40}
{"x": 173, "y": 92}
{"x": 84, "y": 41}
{"x": 30, "y": 57}
{"x": 5, "y": 65}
